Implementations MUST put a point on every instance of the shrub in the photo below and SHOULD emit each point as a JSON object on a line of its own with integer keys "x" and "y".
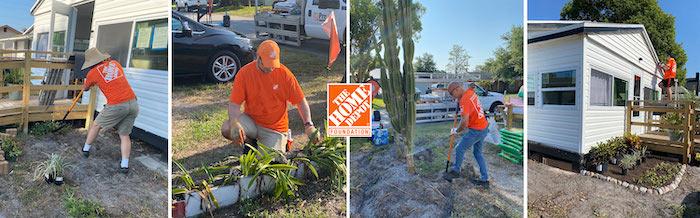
{"x": 11, "y": 147}
{"x": 659, "y": 175}
{"x": 633, "y": 141}
{"x": 14, "y": 76}
{"x": 259, "y": 161}
{"x": 43, "y": 128}
{"x": 77, "y": 207}
{"x": 628, "y": 161}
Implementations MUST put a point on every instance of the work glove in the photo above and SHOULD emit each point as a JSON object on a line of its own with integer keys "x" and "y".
{"x": 453, "y": 131}
{"x": 237, "y": 133}
{"x": 313, "y": 134}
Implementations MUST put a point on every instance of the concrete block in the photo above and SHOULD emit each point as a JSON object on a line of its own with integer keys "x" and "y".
{"x": 4, "y": 167}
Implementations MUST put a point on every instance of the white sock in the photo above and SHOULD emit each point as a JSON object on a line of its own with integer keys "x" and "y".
{"x": 86, "y": 147}
{"x": 125, "y": 163}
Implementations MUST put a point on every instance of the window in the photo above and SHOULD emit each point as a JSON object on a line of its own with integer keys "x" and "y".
{"x": 114, "y": 40}
{"x": 559, "y": 88}
{"x": 637, "y": 93}
{"x": 59, "y": 41}
{"x": 601, "y": 89}
{"x": 620, "y": 92}
{"x": 530, "y": 98}
{"x": 149, "y": 49}
{"x": 650, "y": 94}
{"x": 328, "y": 4}
{"x": 42, "y": 44}
{"x": 177, "y": 25}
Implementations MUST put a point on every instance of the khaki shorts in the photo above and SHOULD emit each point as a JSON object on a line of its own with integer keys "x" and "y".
{"x": 121, "y": 116}
{"x": 268, "y": 137}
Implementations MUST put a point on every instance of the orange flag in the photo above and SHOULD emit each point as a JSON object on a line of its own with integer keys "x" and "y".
{"x": 334, "y": 48}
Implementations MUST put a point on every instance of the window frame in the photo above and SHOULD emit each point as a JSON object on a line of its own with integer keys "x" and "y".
{"x": 131, "y": 42}
{"x": 131, "y": 35}
{"x": 612, "y": 83}
{"x": 544, "y": 90}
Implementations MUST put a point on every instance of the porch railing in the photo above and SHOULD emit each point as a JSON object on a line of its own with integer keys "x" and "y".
{"x": 662, "y": 136}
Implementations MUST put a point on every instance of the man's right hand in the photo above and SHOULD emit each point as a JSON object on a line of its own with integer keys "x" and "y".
{"x": 453, "y": 131}
{"x": 237, "y": 133}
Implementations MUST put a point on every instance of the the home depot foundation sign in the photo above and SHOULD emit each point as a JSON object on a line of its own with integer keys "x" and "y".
{"x": 349, "y": 109}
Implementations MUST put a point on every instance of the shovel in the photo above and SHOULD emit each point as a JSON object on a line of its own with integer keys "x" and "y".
{"x": 452, "y": 141}
{"x": 72, "y": 105}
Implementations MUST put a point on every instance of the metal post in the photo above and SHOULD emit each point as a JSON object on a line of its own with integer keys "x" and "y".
{"x": 697, "y": 83}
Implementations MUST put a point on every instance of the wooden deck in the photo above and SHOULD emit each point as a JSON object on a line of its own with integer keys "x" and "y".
{"x": 656, "y": 136}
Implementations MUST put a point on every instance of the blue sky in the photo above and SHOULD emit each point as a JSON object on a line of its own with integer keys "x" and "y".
{"x": 685, "y": 11}
{"x": 475, "y": 25}
{"x": 16, "y": 13}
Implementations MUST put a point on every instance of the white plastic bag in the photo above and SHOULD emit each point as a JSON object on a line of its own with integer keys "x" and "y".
{"x": 494, "y": 136}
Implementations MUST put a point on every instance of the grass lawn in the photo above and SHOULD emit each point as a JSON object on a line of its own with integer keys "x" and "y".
{"x": 241, "y": 11}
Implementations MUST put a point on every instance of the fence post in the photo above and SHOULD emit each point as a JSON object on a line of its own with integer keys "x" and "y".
{"x": 628, "y": 117}
{"x": 91, "y": 107}
{"x": 509, "y": 112}
{"x": 26, "y": 82}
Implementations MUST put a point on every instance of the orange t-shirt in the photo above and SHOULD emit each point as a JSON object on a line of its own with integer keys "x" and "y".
{"x": 109, "y": 77}
{"x": 470, "y": 106}
{"x": 266, "y": 95}
{"x": 671, "y": 71}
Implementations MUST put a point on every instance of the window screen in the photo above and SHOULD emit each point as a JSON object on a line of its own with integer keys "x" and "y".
{"x": 114, "y": 39}
{"x": 149, "y": 49}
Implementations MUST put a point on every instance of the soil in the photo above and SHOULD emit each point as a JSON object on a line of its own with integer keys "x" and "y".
{"x": 381, "y": 186}
{"x": 553, "y": 192}
{"x": 615, "y": 171}
{"x": 140, "y": 193}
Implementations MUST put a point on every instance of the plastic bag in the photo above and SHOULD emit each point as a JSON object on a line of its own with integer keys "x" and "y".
{"x": 494, "y": 136}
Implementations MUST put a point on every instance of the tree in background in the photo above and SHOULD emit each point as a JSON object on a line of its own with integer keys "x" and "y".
{"x": 425, "y": 63}
{"x": 507, "y": 62}
{"x": 458, "y": 60}
{"x": 365, "y": 37}
{"x": 660, "y": 26}
{"x": 399, "y": 91}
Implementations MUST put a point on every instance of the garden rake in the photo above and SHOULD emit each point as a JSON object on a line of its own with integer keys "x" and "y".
{"x": 452, "y": 141}
{"x": 72, "y": 105}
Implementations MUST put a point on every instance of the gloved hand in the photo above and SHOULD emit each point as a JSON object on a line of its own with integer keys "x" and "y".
{"x": 453, "y": 131}
{"x": 237, "y": 133}
{"x": 313, "y": 134}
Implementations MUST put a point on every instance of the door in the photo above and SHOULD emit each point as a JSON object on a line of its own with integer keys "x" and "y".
{"x": 181, "y": 43}
{"x": 316, "y": 13}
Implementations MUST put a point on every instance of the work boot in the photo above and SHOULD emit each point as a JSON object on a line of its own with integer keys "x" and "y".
{"x": 450, "y": 175}
{"x": 482, "y": 183}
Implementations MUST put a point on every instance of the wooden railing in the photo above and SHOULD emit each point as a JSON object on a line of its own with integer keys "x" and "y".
{"x": 508, "y": 117}
{"x": 656, "y": 135}
{"x": 23, "y": 112}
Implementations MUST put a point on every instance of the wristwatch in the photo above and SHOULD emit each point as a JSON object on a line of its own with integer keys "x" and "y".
{"x": 307, "y": 124}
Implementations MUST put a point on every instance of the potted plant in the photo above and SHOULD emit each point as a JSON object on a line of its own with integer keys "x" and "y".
{"x": 14, "y": 77}
{"x": 627, "y": 162}
{"x": 51, "y": 170}
{"x": 599, "y": 158}
{"x": 643, "y": 154}
{"x": 202, "y": 189}
{"x": 633, "y": 141}
{"x": 11, "y": 147}
{"x": 673, "y": 119}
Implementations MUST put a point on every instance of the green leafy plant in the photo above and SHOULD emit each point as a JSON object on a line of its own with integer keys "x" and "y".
{"x": 259, "y": 161}
{"x": 52, "y": 167}
{"x": 329, "y": 154}
{"x": 201, "y": 188}
{"x": 13, "y": 76}
{"x": 77, "y": 207}
{"x": 661, "y": 174}
{"x": 43, "y": 128}
{"x": 628, "y": 161}
{"x": 633, "y": 141}
{"x": 673, "y": 119}
{"x": 11, "y": 147}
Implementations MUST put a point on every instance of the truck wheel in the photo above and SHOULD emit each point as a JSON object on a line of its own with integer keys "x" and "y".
{"x": 223, "y": 67}
{"x": 494, "y": 106}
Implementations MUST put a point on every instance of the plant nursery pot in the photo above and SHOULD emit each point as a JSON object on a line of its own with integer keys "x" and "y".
{"x": 599, "y": 168}
{"x": 58, "y": 180}
{"x": 48, "y": 178}
{"x": 624, "y": 171}
{"x": 613, "y": 161}
{"x": 178, "y": 209}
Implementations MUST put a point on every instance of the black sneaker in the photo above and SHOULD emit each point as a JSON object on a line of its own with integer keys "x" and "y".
{"x": 482, "y": 183}
{"x": 450, "y": 175}
{"x": 124, "y": 170}
{"x": 86, "y": 154}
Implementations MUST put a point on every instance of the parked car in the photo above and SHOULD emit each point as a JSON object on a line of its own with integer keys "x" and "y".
{"x": 204, "y": 51}
{"x": 188, "y": 5}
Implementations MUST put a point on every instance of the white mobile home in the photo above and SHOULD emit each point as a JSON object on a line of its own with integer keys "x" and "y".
{"x": 580, "y": 75}
{"x": 134, "y": 32}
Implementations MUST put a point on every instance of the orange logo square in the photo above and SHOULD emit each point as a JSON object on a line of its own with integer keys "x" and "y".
{"x": 349, "y": 109}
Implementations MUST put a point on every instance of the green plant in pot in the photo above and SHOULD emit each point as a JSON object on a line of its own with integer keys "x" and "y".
{"x": 259, "y": 162}
{"x": 633, "y": 141}
{"x": 627, "y": 162}
{"x": 599, "y": 158}
{"x": 12, "y": 148}
{"x": 673, "y": 119}
{"x": 191, "y": 187}
{"x": 14, "y": 77}
{"x": 51, "y": 170}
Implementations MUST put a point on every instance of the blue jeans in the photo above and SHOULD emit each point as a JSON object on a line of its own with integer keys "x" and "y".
{"x": 472, "y": 138}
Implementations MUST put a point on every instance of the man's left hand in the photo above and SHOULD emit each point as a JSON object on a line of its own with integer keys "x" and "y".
{"x": 313, "y": 134}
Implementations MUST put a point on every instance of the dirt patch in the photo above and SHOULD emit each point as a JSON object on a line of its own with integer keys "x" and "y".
{"x": 632, "y": 175}
{"x": 557, "y": 193}
{"x": 141, "y": 193}
{"x": 382, "y": 187}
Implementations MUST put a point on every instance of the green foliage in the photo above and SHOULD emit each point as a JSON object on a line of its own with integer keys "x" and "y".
{"x": 425, "y": 63}
{"x": 53, "y": 166}
{"x": 661, "y": 174}
{"x": 507, "y": 63}
{"x": 633, "y": 141}
{"x": 329, "y": 154}
{"x": 259, "y": 161}
{"x": 43, "y": 128}
{"x": 13, "y": 76}
{"x": 458, "y": 60}
{"x": 12, "y": 148}
{"x": 659, "y": 25}
{"x": 201, "y": 188}
{"x": 77, "y": 207}
{"x": 628, "y": 161}
{"x": 673, "y": 119}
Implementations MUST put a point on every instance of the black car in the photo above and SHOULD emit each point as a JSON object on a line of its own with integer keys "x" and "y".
{"x": 203, "y": 51}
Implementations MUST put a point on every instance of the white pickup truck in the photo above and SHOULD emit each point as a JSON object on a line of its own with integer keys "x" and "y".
{"x": 187, "y": 5}
{"x": 489, "y": 100}
{"x": 292, "y": 21}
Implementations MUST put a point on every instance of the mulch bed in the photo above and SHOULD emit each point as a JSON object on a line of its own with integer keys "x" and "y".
{"x": 615, "y": 171}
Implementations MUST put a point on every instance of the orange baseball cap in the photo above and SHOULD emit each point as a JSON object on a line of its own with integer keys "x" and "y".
{"x": 269, "y": 53}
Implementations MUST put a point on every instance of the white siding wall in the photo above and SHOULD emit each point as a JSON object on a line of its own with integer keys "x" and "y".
{"x": 616, "y": 54}
{"x": 150, "y": 86}
{"x": 555, "y": 125}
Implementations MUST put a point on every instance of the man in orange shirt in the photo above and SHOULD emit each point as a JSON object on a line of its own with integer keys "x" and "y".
{"x": 266, "y": 86}
{"x": 473, "y": 128}
{"x": 669, "y": 80}
{"x": 121, "y": 108}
